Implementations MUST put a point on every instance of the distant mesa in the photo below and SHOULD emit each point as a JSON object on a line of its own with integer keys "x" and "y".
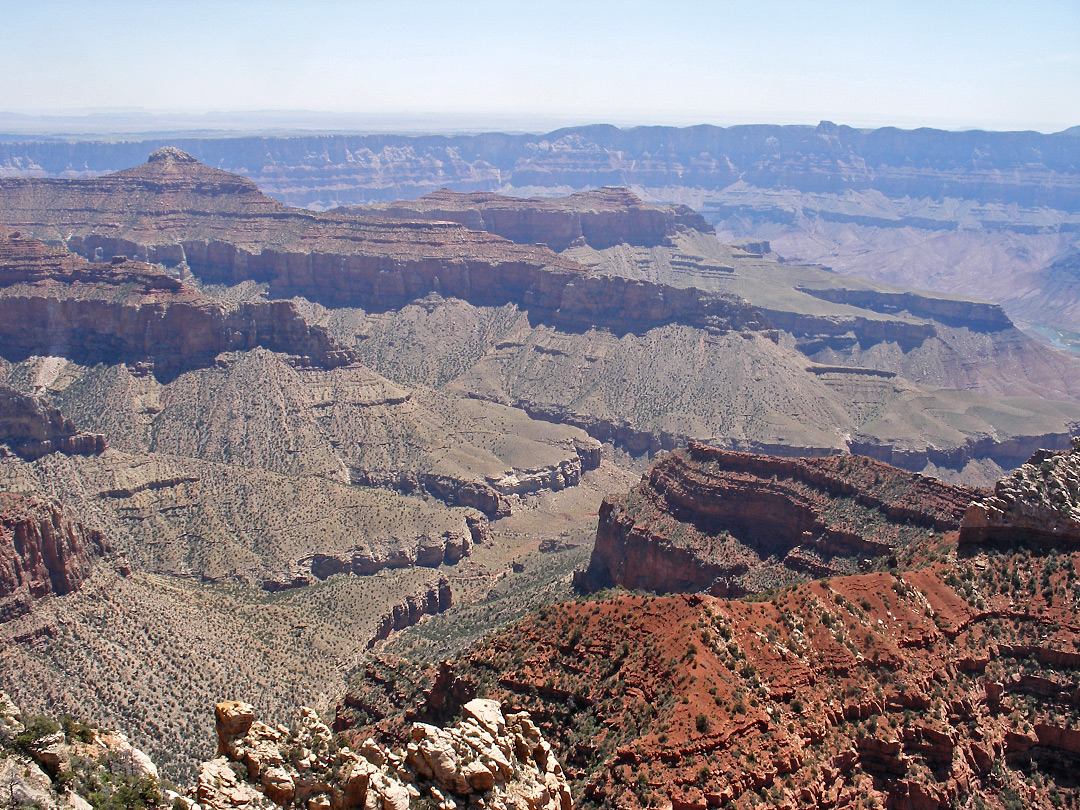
{"x": 600, "y": 218}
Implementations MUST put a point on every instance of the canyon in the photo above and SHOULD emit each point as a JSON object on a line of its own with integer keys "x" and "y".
{"x": 924, "y": 208}
{"x": 357, "y": 455}
{"x": 839, "y": 364}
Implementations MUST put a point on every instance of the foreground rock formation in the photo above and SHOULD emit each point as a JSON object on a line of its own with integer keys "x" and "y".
{"x": 735, "y": 523}
{"x": 487, "y": 760}
{"x": 43, "y": 550}
{"x": 54, "y": 766}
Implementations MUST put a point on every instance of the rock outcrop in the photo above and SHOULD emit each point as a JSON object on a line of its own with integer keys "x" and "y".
{"x": 1039, "y": 503}
{"x": 600, "y": 218}
{"x": 734, "y": 523}
{"x": 437, "y": 598}
{"x": 43, "y": 550}
{"x": 494, "y": 495}
{"x": 487, "y": 760}
{"x": 32, "y": 428}
{"x": 56, "y": 766}
{"x": 54, "y": 303}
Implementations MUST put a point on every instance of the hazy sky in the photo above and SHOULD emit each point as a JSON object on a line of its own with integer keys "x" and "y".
{"x": 1000, "y": 65}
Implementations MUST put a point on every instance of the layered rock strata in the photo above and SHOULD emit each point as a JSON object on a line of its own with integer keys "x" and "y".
{"x": 438, "y": 598}
{"x": 32, "y": 428}
{"x": 488, "y": 760}
{"x": 225, "y": 231}
{"x": 1039, "y": 503}
{"x": 948, "y": 681}
{"x": 53, "y": 303}
{"x": 43, "y": 550}
{"x": 733, "y": 523}
{"x": 600, "y": 218}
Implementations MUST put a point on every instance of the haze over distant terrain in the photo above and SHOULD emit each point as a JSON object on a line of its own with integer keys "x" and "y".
{"x": 515, "y": 66}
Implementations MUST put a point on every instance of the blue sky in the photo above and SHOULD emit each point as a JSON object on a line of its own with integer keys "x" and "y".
{"x": 949, "y": 63}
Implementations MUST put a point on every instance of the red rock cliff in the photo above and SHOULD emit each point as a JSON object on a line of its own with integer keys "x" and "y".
{"x": 705, "y": 518}
{"x": 43, "y": 550}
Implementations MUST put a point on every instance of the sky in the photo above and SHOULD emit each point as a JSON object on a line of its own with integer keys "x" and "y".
{"x": 950, "y": 63}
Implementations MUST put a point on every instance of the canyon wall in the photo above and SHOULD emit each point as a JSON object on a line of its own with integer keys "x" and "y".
{"x": 704, "y": 518}
{"x": 54, "y": 303}
{"x": 43, "y": 550}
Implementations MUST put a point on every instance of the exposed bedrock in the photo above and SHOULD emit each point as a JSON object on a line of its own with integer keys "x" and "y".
{"x": 561, "y": 297}
{"x": 437, "y": 598}
{"x": 32, "y": 428}
{"x": 599, "y": 218}
{"x": 43, "y": 550}
{"x": 54, "y": 303}
{"x": 493, "y": 496}
{"x": 1037, "y": 505}
{"x": 705, "y": 518}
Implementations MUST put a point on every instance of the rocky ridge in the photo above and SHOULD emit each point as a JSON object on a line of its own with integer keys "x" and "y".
{"x": 486, "y": 760}
{"x": 43, "y": 550}
{"x": 1039, "y": 503}
{"x": 733, "y": 523}
{"x": 436, "y": 599}
{"x": 947, "y": 681}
